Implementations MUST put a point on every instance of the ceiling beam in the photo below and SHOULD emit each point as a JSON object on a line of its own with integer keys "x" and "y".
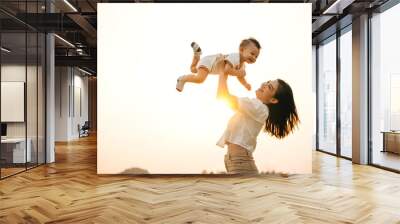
{"x": 317, "y": 25}
{"x": 86, "y": 26}
{"x": 85, "y": 61}
{"x": 337, "y": 6}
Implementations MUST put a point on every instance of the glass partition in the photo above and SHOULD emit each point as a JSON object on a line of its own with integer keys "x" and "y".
{"x": 22, "y": 77}
{"x": 14, "y": 153}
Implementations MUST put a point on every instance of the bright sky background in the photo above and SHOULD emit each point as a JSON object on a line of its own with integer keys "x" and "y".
{"x": 142, "y": 49}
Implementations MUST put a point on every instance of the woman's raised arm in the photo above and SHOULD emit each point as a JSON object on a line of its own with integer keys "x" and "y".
{"x": 223, "y": 92}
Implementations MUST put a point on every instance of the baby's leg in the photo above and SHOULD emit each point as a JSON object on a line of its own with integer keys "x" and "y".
{"x": 195, "y": 60}
{"x": 194, "y": 78}
{"x": 201, "y": 75}
{"x": 196, "y": 56}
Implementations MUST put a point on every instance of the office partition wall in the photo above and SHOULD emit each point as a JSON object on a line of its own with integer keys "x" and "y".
{"x": 14, "y": 71}
{"x": 22, "y": 64}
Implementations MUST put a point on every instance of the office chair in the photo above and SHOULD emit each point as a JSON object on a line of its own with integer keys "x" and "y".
{"x": 84, "y": 130}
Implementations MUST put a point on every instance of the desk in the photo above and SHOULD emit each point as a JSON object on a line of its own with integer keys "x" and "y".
{"x": 15, "y": 148}
{"x": 391, "y": 141}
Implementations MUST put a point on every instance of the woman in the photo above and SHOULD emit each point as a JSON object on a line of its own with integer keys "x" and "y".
{"x": 273, "y": 107}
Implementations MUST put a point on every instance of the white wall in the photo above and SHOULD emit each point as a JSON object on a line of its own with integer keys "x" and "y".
{"x": 61, "y": 103}
{"x": 144, "y": 122}
{"x": 69, "y": 84}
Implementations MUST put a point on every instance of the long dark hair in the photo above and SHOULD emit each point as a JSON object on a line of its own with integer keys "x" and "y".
{"x": 282, "y": 118}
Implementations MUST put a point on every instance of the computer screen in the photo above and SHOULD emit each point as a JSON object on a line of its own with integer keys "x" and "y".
{"x": 3, "y": 129}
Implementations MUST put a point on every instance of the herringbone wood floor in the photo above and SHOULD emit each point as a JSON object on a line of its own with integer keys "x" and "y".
{"x": 69, "y": 191}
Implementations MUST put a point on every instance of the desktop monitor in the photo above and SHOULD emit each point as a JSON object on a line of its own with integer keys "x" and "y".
{"x": 3, "y": 129}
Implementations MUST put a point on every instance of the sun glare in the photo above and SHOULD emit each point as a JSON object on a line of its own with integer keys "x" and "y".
{"x": 223, "y": 107}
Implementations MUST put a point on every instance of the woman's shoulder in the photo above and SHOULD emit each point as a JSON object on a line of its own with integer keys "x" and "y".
{"x": 254, "y": 108}
{"x": 255, "y": 102}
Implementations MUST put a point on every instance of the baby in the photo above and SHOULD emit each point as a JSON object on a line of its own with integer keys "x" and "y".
{"x": 232, "y": 64}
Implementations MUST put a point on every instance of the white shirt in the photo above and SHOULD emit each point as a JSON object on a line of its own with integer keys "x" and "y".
{"x": 234, "y": 59}
{"x": 214, "y": 62}
{"x": 245, "y": 125}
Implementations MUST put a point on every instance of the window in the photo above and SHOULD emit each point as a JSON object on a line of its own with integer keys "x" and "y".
{"x": 327, "y": 96}
{"x": 385, "y": 88}
{"x": 346, "y": 92}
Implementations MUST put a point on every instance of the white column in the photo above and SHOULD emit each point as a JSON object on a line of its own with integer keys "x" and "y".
{"x": 360, "y": 90}
{"x": 50, "y": 92}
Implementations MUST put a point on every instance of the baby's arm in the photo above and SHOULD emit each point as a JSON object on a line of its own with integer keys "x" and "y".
{"x": 244, "y": 82}
{"x": 229, "y": 69}
{"x": 239, "y": 73}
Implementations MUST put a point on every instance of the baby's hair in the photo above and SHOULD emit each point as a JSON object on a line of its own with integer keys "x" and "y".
{"x": 245, "y": 42}
{"x": 283, "y": 117}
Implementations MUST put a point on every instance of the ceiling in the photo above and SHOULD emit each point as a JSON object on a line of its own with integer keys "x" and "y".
{"x": 76, "y": 22}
